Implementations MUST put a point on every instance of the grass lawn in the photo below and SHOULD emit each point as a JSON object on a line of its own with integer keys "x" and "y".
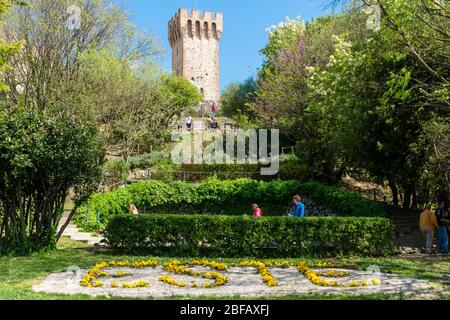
{"x": 19, "y": 274}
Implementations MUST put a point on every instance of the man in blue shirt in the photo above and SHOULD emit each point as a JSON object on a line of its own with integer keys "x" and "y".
{"x": 441, "y": 217}
{"x": 299, "y": 207}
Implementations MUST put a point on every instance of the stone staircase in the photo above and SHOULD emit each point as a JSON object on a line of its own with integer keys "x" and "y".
{"x": 75, "y": 234}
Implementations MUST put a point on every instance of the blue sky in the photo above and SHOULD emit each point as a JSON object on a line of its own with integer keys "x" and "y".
{"x": 244, "y": 34}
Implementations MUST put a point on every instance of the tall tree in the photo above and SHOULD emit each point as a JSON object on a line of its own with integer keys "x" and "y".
{"x": 6, "y": 50}
{"x": 47, "y": 67}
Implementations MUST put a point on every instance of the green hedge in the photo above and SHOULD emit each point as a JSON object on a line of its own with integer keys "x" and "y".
{"x": 230, "y": 197}
{"x": 289, "y": 170}
{"x": 268, "y": 237}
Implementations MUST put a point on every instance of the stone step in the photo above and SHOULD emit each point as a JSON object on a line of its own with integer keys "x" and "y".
{"x": 86, "y": 238}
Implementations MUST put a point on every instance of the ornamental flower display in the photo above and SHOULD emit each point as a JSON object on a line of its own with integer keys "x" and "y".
{"x": 316, "y": 277}
{"x": 176, "y": 267}
{"x": 263, "y": 271}
{"x": 91, "y": 279}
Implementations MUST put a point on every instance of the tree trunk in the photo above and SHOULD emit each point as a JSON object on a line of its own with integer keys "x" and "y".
{"x": 64, "y": 226}
{"x": 394, "y": 190}
{"x": 414, "y": 196}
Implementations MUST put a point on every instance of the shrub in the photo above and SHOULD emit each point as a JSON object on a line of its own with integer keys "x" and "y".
{"x": 240, "y": 236}
{"x": 148, "y": 160}
{"x": 229, "y": 197}
{"x": 116, "y": 171}
{"x": 199, "y": 172}
{"x": 289, "y": 170}
{"x": 43, "y": 156}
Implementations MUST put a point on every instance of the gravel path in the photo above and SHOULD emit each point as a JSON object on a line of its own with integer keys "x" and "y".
{"x": 245, "y": 282}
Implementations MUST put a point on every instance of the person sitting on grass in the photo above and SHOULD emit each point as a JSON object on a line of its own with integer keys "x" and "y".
{"x": 299, "y": 208}
{"x": 256, "y": 211}
{"x": 428, "y": 224}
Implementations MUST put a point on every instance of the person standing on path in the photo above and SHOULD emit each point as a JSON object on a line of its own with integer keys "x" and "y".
{"x": 441, "y": 216}
{"x": 213, "y": 109}
{"x": 428, "y": 224}
{"x": 188, "y": 121}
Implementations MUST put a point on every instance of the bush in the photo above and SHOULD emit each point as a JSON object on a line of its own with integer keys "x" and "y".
{"x": 148, "y": 160}
{"x": 268, "y": 237}
{"x": 197, "y": 172}
{"x": 230, "y": 197}
{"x": 44, "y": 154}
{"x": 116, "y": 171}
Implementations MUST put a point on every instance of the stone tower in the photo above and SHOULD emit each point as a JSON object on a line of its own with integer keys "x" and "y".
{"x": 194, "y": 37}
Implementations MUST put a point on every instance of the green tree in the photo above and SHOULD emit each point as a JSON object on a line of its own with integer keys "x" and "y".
{"x": 236, "y": 101}
{"x": 43, "y": 156}
{"x": 6, "y": 50}
{"x": 136, "y": 109}
{"x": 47, "y": 69}
{"x": 283, "y": 99}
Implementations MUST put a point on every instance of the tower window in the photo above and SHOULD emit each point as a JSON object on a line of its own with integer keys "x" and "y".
{"x": 214, "y": 29}
{"x": 197, "y": 29}
{"x": 190, "y": 30}
{"x": 206, "y": 27}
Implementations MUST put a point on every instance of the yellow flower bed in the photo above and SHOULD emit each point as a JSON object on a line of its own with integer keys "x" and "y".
{"x": 315, "y": 277}
{"x": 333, "y": 274}
{"x": 263, "y": 271}
{"x": 176, "y": 267}
{"x": 90, "y": 280}
{"x": 137, "y": 284}
{"x": 209, "y": 264}
{"x": 121, "y": 274}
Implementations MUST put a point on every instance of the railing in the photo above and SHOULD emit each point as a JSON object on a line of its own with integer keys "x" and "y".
{"x": 194, "y": 176}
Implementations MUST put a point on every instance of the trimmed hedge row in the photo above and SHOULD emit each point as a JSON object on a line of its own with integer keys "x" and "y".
{"x": 230, "y": 197}
{"x": 268, "y": 237}
{"x": 289, "y": 170}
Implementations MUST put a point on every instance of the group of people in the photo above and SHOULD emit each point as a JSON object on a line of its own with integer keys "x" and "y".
{"x": 212, "y": 123}
{"x": 431, "y": 221}
{"x": 298, "y": 208}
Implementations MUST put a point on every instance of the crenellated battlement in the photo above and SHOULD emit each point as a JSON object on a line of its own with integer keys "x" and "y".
{"x": 194, "y": 36}
{"x": 195, "y": 24}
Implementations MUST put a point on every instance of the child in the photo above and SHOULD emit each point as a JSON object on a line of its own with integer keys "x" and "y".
{"x": 257, "y": 212}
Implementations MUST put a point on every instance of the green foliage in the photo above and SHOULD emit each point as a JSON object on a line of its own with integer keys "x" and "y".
{"x": 148, "y": 160}
{"x": 135, "y": 108}
{"x": 116, "y": 171}
{"x": 6, "y": 50}
{"x": 180, "y": 93}
{"x": 43, "y": 156}
{"x": 268, "y": 237}
{"x": 230, "y": 197}
{"x": 353, "y": 98}
{"x": 235, "y": 102}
